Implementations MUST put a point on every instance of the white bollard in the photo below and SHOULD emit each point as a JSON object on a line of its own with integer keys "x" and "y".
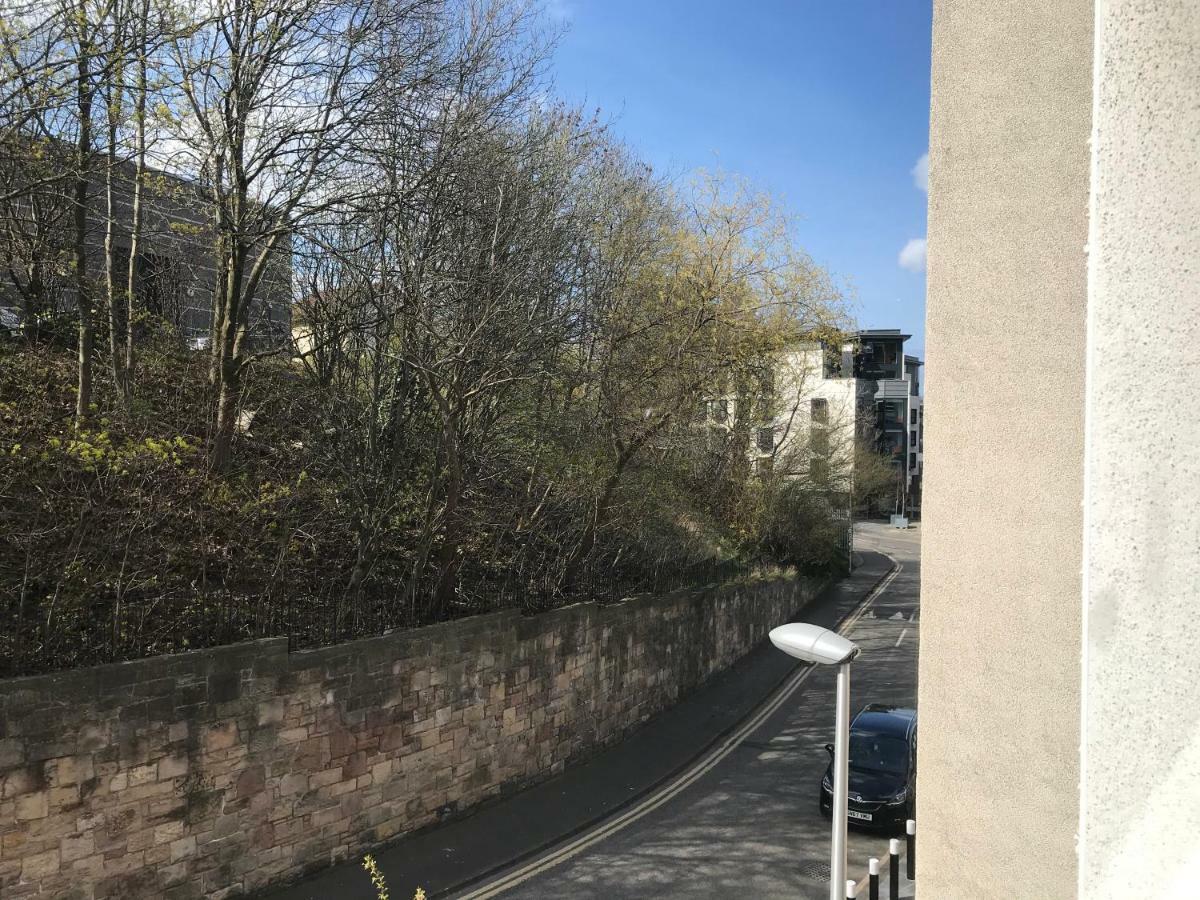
{"x": 910, "y": 863}
{"x": 894, "y": 869}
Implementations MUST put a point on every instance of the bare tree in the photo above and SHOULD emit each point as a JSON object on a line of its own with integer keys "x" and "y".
{"x": 451, "y": 290}
{"x": 129, "y": 46}
{"x": 275, "y": 94}
{"x": 34, "y": 168}
{"x": 84, "y": 22}
{"x": 504, "y": 324}
{"x": 697, "y": 318}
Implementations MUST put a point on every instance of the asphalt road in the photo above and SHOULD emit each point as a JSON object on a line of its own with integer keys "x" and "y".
{"x": 749, "y": 824}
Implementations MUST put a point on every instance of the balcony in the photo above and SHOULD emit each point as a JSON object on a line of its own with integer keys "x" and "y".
{"x": 892, "y": 389}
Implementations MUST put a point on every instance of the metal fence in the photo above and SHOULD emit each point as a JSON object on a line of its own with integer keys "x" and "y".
{"x": 37, "y": 638}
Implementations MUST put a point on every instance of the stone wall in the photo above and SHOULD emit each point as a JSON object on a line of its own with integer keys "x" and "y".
{"x": 216, "y": 772}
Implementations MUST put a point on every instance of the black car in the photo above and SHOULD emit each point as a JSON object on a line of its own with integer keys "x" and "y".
{"x": 883, "y": 768}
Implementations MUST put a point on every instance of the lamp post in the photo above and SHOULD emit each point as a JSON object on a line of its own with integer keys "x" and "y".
{"x": 814, "y": 644}
{"x": 850, "y": 526}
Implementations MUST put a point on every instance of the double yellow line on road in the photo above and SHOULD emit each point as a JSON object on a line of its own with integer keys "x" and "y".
{"x": 682, "y": 781}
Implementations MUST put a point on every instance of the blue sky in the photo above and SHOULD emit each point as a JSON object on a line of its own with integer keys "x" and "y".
{"x": 825, "y": 104}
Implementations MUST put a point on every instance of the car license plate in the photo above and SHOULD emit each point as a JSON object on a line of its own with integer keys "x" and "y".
{"x": 855, "y": 814}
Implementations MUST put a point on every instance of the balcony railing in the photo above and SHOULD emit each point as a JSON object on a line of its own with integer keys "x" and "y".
{"x": 892, "y": 389}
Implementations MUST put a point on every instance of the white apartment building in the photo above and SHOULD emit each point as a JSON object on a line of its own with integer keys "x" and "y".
{"x": 824, "y": 401}
{"x": 813, "y": 417}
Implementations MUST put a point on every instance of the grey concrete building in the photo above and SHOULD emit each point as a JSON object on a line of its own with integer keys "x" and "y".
{"x": 1060, "y": 662}
{"x": 176, "y": 269}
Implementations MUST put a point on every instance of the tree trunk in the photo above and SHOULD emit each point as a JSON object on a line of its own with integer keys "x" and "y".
{"x": 135, "y": 223}
{"x": 110, "y": 262}
{"x": 226, "y": 418}
{"x": 228, "y": 365}
{"x": 597, "y": 520}
{"x": 447, "y": 560}
{"x": 217, "y": 319}
{"x": 600, "y": 512}
{"x": 83, "y": 149}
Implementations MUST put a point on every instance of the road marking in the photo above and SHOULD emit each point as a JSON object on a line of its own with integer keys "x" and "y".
{"x": 684, "y": 780}
{"x": 903, "y": 632}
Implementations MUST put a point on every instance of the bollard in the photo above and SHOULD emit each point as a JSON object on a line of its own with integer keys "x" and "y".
{"x": 893, "y": 869}
{"x": 873, "y": 882}
{"x": 910, "y": 864}
{"x": 851, "y": 890}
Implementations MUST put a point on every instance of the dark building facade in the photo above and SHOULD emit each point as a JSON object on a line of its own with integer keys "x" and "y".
{"x": 890, "y": 406}
{"x": 176, "y": 266}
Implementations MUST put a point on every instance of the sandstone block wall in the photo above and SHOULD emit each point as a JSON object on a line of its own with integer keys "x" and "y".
{"x": 216, "y": 772}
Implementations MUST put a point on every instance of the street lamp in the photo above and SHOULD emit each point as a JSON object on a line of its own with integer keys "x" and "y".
{"x": 815, "y": 644}
{"x": 850, "y": 526}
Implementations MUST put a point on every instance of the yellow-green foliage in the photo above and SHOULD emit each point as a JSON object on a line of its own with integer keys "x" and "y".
{"x": 96, "y": 451}
{"x": 378, "y": 881}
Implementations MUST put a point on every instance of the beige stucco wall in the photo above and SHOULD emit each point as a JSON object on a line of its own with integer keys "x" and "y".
{"x": 1141, "y": 791}
{"x": 1002, "y": 545}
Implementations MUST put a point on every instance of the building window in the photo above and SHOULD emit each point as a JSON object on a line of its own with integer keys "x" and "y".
{"x": 879, "y": 360}
{"x": 766, "y": 439}
{"x": 912, "y": 461}
{"x": 818, "y": 469}
{"x": 912, "y": 416}
{"x": 818, "y": 443}
{"x": 720, "y": 410}
{"x": 820, "y": 410}
{"x": 892, "y": 444}
{"x": 831, "y": 363}
{"x": 763, "y": 407}
{"x": 764, "y": 467}
{"x": 891, "y": 414}
{"x": 912, "y": 439}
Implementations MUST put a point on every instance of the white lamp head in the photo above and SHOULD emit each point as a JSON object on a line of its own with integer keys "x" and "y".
{"x": 814, "y": 644}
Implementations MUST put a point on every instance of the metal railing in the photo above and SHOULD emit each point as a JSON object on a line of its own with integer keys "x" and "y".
{"x": 106, "y": 629}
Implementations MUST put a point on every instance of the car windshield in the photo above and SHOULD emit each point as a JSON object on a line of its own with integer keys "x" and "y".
{"x": 878, "y": 753}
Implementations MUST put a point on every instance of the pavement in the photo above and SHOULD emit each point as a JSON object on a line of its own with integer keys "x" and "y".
{"x": 713, "y": 797}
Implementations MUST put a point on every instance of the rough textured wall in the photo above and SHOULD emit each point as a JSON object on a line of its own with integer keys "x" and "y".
{"x": 214, "y": 772}
{"x": 1141, "y": 794}
{"x": 1002, "y": 518}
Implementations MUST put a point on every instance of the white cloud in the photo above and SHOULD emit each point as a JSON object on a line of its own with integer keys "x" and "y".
{"x": 912, "y": 257}
{"x": 920, "y": 173}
